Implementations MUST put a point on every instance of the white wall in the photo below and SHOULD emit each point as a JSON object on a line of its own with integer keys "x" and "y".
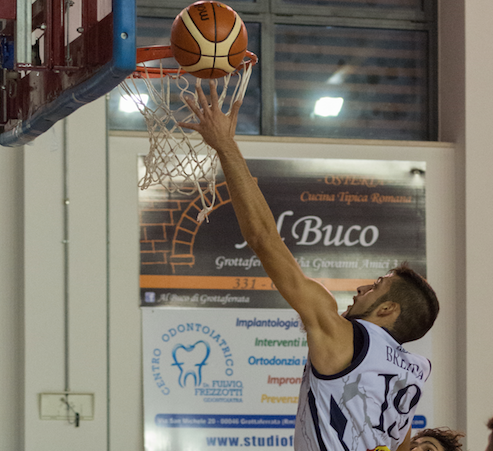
{"x": 85, "y": 270}
{"x": 466, "y": 111}
{"x": 11, "y": 299}
{"x": 451, "y": 83}
{"x": 479, "y": 218}
{"x": 103, "y": 321}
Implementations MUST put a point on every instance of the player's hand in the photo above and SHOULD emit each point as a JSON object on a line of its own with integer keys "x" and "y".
{"x": 217, "y": 128}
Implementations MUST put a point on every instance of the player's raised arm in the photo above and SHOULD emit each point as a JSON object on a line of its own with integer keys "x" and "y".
{"x": 332, "y": 339}
{"x": 254, "y": 216}
{"x": 314, "y": 303}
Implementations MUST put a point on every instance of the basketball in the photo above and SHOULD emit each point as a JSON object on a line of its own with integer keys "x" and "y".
{"x": 208, "y": 39}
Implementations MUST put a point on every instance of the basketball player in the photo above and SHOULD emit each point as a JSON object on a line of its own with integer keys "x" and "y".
{"x": 360, "y": 386}
{"x": 438, "y": 439}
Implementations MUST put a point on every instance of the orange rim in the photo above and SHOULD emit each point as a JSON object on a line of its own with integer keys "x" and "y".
{"x": 156, "y": 52}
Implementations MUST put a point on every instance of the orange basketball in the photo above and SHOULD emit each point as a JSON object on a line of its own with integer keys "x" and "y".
{"x": 208, "y": 39}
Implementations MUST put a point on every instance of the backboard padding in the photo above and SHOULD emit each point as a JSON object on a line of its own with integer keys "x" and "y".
{"x": 64, "y": 76}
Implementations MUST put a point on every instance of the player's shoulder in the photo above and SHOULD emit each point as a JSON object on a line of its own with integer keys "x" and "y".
{"x": 381, "y": 345}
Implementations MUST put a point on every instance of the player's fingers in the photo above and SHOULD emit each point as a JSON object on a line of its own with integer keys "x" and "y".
{"x": 234, "y": 114}
{"x": 213, "y": 91}
{"x": 192, "y": 105}
{"x": 236, "y": 108}
{"x": 188, "y": 125}
{"x": 202, "y": 99}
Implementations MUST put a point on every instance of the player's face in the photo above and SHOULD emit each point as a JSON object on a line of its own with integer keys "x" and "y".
{"x": 426, "y": 444}
{"x": 366, "y": 296}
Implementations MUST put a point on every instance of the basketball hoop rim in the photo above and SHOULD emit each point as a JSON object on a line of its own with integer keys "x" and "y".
{"x": 156, "y": 52}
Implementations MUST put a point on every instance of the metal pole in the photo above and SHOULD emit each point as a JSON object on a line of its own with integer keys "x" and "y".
{"x": 23, "y": 32}
{"x": 66, "y": 203}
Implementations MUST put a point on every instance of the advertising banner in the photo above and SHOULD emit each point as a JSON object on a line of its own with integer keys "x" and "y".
{"x": 223, "y": 353}
{"x": 221, "y": 378}
{"x": 347, "y": 222}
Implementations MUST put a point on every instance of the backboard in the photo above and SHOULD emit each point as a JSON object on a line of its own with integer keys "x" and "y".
{"x": 58, "y": 55}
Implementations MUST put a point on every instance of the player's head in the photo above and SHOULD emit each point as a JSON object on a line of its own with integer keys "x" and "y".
{"x": 417, "y": 301}
{"x": 438, "y": 439}
{"x": 490, "y": 437}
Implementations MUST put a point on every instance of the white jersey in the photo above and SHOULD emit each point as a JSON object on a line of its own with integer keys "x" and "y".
{"x": 367, "y": 406}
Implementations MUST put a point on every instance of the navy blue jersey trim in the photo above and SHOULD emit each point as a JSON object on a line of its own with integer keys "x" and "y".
{"x": 357, "y": 327}
{"x": 314, "y": 413}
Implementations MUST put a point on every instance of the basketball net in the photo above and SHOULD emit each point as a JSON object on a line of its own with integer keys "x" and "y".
{"x": 180, "y": 161}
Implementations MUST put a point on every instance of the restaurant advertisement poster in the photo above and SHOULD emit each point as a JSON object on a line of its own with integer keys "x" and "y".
{"x": 223, "y": 353}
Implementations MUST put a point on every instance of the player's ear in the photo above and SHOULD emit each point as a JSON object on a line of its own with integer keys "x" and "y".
{"x": 389, "y": 308}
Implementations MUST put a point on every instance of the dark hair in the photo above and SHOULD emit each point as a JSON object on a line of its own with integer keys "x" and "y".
{"x": 448, "y": 438}
{"x": 490, "y": 424}
{"x": 418, "y": 302}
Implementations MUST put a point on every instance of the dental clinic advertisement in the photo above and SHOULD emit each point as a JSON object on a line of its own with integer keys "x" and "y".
{"x": 223, "y": 353}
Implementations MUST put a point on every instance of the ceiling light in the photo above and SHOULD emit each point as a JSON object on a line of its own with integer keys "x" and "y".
{"x": 328, "y": 106}
{"x": 130, "y": 104}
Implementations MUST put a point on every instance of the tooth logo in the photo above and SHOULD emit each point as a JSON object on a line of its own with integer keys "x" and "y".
{"x": 188, "y": 357}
